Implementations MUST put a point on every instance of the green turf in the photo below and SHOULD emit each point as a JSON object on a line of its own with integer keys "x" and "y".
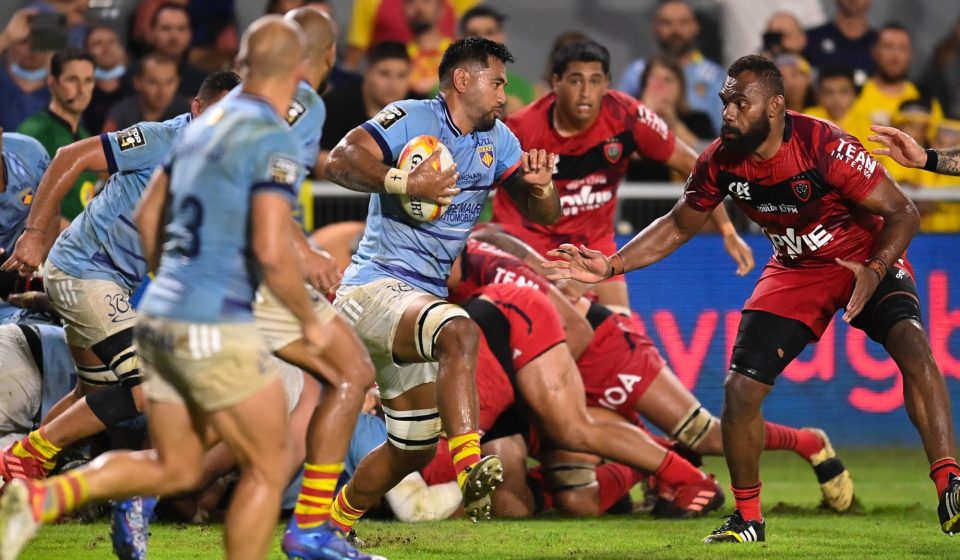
{"x": 895, "y": 518}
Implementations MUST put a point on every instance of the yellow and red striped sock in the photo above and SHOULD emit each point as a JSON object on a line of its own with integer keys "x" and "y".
{"x": 465, "y": 452}
{"x": 343, "y": 516}
{"x": 316, "y": 494}
{"x": 37, "y": 446}
{"x": 58, "y": 495}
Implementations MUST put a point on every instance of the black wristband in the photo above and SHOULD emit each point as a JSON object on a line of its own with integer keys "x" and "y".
{"x": 932, "y": 160}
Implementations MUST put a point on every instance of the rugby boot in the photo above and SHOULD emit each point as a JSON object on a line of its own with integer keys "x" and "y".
{"x": 130, "y": 525}
{"x": 321, "y": 543}
{"x": 949, "y": 507}
{"x": 19, "y": 516}
{"x": 14, "y": 467}
{"x": 478, "y": 486}
{"x": 835, "y": 482}
{"x": 690, "y": 500}
{"x": 737, "y": 530}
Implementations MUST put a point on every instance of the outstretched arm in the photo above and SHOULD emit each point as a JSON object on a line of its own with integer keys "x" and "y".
{"x": 655, "y": 242}
{"x": 903, "y": 149}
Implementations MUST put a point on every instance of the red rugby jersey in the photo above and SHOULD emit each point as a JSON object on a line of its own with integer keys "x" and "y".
{"x": 485, "y": 264}
{"x": 805, "y": 197}
{"x": 590, "y": 168}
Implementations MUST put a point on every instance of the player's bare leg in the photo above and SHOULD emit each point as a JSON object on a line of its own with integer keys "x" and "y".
{"x": 667, "y": 402}
{"x": 553, "y": 390}
{"x": 513, "y": 498}
{"x": 928, "y": 405}
{"x": 742, "y": 428}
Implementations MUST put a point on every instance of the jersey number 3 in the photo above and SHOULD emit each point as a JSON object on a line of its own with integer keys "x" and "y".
{"x": 185, "y": 238}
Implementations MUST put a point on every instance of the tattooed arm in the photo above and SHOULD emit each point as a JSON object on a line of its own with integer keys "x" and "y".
{"x": 903, "y": 149}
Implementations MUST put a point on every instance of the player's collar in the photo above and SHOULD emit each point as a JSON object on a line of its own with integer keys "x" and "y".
{"x": 787, "y": 127}
{"x": 448, "y": 116}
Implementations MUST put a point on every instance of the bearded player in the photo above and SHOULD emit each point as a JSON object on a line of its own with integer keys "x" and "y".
{"x": 840, "y": 228}
{"x": 394, "y": 291}
{"x": 595, "y": 131}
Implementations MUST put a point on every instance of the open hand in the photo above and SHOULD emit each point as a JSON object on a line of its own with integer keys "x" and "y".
{"x": 900, "y": 146}
{"x": 583, "y": 264}
{"x": 865, "y": 284}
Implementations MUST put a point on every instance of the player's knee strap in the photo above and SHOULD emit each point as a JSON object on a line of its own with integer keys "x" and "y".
{"x": 569, "y": 476}
{"x": 900, "y": 306}
{"x": 113, "y": 404}
{"x": 693, "y": 427}
{"x": 96, "y": 375}
{"x": 413, "y": 430}
{"x": 431, "y": 320}
{"x": 118, "y": 353}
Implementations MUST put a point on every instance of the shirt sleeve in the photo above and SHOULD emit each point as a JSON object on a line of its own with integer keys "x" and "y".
{"x": 701, "y": 191}
{"x": 397, "y": 123}
{"x": 654, "y": 138}
{"x": 845, "y": 164}
{"x": 508, "y": 153}
{"x": 276, "y": 165}
{"x": 307, "y": 126}
{"x": 141, "y": 146}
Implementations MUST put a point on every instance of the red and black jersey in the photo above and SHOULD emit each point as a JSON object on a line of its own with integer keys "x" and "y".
{"x": 806, "y": 197}
{"x": 484, "y": 264}
{"x": 590, "y": 168}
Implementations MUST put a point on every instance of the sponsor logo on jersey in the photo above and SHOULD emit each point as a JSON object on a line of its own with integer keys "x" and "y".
{"x": 485, "y": 152}
{"x": 740, "y": 189}
{"x": 618, "y": 394}
{"x": 801, "y": 188}
{"x": 505, "y": 276}
{"x": 651, "y": 119}
{"x": 789, "y": 244}
{"x": 856, "y": 157}
{"x": 389, "y": 116}
{"x": 284, "y": 170}
{"x": 776, "y": 208}
{"x": 130, "y": 138}
{"x": 295, "y": 111}
{"x": 464, "y": 212}
{"x": 26, "y": 196}
{"x": 584, "y": 200}
{"x": 612, "y": 150}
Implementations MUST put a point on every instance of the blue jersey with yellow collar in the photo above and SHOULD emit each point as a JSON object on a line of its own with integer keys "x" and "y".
{"x": 24, "y": 162}
{"x": 421, "y": 253}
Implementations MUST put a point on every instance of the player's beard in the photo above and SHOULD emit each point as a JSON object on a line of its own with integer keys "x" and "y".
{"x": 746, "y": 142}
{"x": 488, "y": 120}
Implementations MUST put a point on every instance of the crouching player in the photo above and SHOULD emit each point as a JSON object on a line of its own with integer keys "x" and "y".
{"x": 393, "y": 292}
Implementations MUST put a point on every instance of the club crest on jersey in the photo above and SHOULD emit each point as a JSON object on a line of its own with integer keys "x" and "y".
{"x": 612, "y": 150}
{"x": 130, "y": 138}
{"x": 485, "y": 152}
{"x": 295, "y": 111}
{"x": 801, "y": 189}
{"x": 26, "y": 196}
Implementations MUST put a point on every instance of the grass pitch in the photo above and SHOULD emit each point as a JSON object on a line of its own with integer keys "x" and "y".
{"x": 895, "y": 517}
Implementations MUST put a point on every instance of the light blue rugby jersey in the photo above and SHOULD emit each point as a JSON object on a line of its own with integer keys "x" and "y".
{"x": 420, "y": 253}
{"x": 24, "y": 162}
{"x": 102, "y": 242}
{"x": 237, "y": 149}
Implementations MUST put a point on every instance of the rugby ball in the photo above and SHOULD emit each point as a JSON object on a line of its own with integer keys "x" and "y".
{"x": 413, "y": 154}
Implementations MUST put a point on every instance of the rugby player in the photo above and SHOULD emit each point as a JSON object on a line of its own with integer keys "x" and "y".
{"x": 595, "y": 131}
{"x": 393, "y": 292}
{"x": 840, "y": 229}
{"x": 205, "y": 361}
{"x": 24, "y": 161}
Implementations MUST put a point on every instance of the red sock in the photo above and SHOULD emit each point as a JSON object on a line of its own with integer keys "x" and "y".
{"x": 778, "y": 436}
{"x": 748, "y": 502}
{"x": 614, "y": 481}
{"x": 677, "y": 471}
{"x": 940, "y": 472}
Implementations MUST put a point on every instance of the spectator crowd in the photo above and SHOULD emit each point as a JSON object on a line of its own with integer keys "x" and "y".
{"x": 109, "y": 72}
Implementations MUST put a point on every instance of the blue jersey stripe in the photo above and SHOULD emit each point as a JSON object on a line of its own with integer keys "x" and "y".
{"x": 273, "y": 186}
{"x": 103, "y": 259}
{"x": 132, "y": 255}
{"x": 108, "y": 152}
{"x": 127, "y": 221}
{"x": 438, "y": 235}
{"x": 381, "y": 141}
{"x": 419, "y": 251}
{"x": 411, "y": 275}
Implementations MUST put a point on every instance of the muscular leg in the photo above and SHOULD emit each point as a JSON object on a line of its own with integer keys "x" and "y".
{"x": 513, "y": 498}
{"x": 667, "y": 401}
{"x": 344, "y": 369}
{"x": 83, "y": 358}
{"x": 924, "y": 390}
{"x": 552, "y": 388}
{"x": 580, "y": 501}
{"x": 742, "y": 428}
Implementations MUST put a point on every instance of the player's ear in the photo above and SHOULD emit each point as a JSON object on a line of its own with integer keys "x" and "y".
{"x": 460, "y": 79}
{"x": 776, "y": 105}
{"x": 554, "y": 82}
